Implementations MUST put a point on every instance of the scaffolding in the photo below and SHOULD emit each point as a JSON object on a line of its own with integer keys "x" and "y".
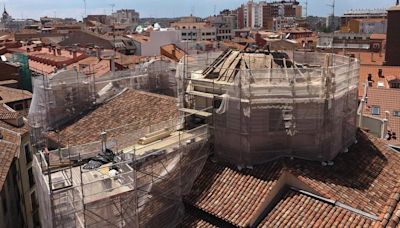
{"x": 269, "y": 105}
{"x": 68, "y": 94}
{"x": 152, "y": 168}
{"x": 146, "y": 192}
{"x": 25, "y": 73}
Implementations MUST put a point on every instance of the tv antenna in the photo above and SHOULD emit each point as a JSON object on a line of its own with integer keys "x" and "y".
{"x": 333, "y": 13}
{"x": 85, "y": 8}
{"x": 112, "y": 7}
{"x": 306, "y": 8}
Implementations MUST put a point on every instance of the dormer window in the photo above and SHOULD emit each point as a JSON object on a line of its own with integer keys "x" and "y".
{"x": 376, "y": 110}
{"x": 395, "y": 84}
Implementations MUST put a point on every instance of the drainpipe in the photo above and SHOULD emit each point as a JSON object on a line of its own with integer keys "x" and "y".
{"x": 385, "y": 125}
{"x": 360, "y": 118}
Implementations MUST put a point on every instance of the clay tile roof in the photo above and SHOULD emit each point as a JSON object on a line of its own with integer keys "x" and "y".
{"x": 190, "y": 221}
{"x": 7, "y": 154}
{"x": 366, "y": 178}
{"x": 387, "y": 100}
{"x": 139, "y": 38}
{"x": 232, "y": 195}
{"x": 172, "y": 51}
{"x": 8, "y": 94}
{"x": 388, "y": 73}
{"x": 132, "y": 108}
{"x": 299, "y": 210}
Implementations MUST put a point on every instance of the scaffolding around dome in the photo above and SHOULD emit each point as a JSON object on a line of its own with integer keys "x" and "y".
{"x": 269, "y": 105}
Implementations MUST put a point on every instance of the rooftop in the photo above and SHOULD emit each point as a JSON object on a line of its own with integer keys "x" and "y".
{"x": 362, "y": 187}
{"x": 7, "y": 154}
{"x": 388, "y": 72}
{"x": 134, "y": 109}
{"x": 387, "y": 100}
{"x": 8, "y": 95}
{"x": 9, "y": 143}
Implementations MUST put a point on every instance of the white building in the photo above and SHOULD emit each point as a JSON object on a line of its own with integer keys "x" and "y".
{"x": 150, "y": 45}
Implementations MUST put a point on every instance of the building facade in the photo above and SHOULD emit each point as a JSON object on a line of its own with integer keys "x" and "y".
{"x": 18, "y": 207}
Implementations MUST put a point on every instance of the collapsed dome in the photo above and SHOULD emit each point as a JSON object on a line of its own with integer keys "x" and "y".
{"x": 269, "y": 105}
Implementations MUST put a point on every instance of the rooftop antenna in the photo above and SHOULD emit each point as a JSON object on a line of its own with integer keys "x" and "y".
{"x": 306, "y": 8}
{"x": 215, "y": 10}
{"x": 332, "y": 22}
{"x": 112, "y": 8}
{"x": 84, "y": 5}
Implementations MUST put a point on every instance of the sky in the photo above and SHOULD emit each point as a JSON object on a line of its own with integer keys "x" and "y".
{"x": 164, "y": 8}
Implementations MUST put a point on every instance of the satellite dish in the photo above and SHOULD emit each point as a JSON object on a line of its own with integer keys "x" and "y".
{"x": 3, "y": 58}
{"x": 287, "y": 36}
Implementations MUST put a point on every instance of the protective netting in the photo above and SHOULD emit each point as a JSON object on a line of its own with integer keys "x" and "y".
{"x": 66, "y": 95}
{"x": 144, "y": 185}
{"x": 147, "y": 192}
{"x": 266, "y": 108}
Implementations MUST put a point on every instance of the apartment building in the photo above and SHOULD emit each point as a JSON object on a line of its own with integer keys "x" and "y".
{"x": 262, "y": 14}
{"x": 194, "y": 29}
{"x": 18, "y": 207}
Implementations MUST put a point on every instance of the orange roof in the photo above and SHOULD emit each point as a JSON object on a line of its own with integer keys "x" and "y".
{"x": 139, "y": 38}
{"x": 172, "y": 51}
{"x": 388, "y": 72}
{"x": 387, "y": 100}
{"x": 362, "y": 187}
{"x": 92, "y": 66}
{"x": 8, "y": 95}
{"x": 233, "y": 45}
{"x": 370, "y": 19}
{"x": 367, "y": 58}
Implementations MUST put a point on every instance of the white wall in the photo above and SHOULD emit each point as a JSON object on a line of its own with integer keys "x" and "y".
{"x": 158, "y": 39}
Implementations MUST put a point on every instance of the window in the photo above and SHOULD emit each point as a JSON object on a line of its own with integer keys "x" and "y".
{"x": 31, "y": 178}
{"x": 395, "y": 85}
{"x": 376, "y": 110}
{"x": 28, "y": 153}
{"x": 396, "y": 113}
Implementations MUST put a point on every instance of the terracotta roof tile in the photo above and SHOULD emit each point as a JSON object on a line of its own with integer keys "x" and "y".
{"x": 133, "y": 108}
{"x": 7, "y": 154}
{"x": 387, "y": 100}
{"x": 233, "y": 195}
{"x": 190, "y": 221}
{"x": 387, "y": 73}
{"x": 298, "y": 210}
{"x": 366, "y": 178}
{"x": 8, "y": 94}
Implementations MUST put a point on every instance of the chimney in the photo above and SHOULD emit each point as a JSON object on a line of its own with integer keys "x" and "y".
{"x": 392, "y": 55}
{"x": 380, "y": 73}
{"x": 74, "y": 54}
{"x": 58, "y": 51}
{"x": 54, "y": 51}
